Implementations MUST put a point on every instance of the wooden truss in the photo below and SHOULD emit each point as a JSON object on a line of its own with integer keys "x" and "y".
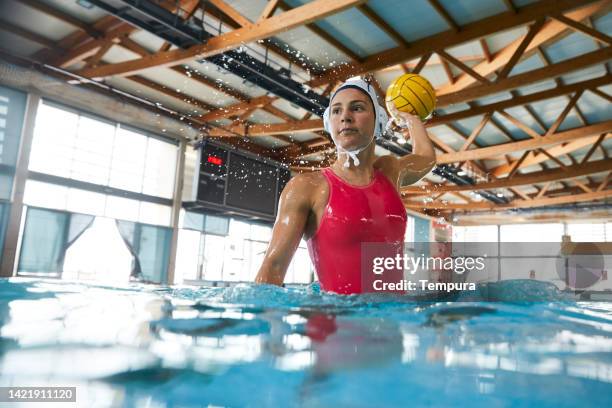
{"x": 549, "y": 146}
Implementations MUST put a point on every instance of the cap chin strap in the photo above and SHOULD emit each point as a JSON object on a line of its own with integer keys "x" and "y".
{"x": 352, "y": 154}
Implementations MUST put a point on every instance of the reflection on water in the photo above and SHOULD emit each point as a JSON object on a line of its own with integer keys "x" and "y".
{"x": 258, "y": 345}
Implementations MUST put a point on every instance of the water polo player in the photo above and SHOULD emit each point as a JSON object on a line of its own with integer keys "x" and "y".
{"x": 353, "y": 201}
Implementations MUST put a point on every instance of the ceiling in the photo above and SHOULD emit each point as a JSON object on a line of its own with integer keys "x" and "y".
{"x": 524, "y": 87}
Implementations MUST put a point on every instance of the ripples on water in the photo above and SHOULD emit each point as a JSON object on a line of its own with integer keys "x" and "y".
{"x": 269, "y": 346}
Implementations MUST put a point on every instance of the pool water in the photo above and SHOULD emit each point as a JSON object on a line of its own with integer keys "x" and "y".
{"x": 265, "y": 346}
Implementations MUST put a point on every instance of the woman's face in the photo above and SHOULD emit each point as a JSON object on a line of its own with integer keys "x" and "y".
{"x": 352, "y": 119}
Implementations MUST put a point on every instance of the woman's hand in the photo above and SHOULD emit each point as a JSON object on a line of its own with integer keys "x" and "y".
{"x": 403, "y": 120}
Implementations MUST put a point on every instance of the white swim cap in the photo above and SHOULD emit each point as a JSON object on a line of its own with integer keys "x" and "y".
{"x": 379, "y": 112}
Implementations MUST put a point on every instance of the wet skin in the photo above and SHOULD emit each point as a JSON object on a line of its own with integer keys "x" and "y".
{"x": 304, "y": 198}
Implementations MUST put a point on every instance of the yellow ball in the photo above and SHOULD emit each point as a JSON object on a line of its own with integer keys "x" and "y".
{"x": 412, "y": 93}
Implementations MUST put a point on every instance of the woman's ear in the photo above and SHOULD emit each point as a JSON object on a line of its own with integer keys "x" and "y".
{"x": 326, "y": 125}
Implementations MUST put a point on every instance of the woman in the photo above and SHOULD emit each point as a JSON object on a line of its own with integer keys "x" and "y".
{"x": 354, "y": 201}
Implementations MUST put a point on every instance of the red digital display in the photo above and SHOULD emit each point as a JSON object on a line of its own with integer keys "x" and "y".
{"x": 215, "y": 160}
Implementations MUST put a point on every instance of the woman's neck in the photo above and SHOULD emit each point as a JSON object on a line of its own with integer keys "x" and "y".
{"x": 361, "y": 174}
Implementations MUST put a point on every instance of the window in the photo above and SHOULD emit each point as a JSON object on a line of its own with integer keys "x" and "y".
{"x": 87, "y": 259}
{"x": 159, "y": 169}
{"x": 188, "y": 259}
{"x": 128, "y": 161}
{"x": 480, "y": 233}
{"x": 79, "y": 147}
{"x": 409, "y": 236}
{"x": 587, "y": 232}
{"x": 54, "y": 139}
{"x": 216, "y": 225}
{"x": 39, "y": 194}
{"x": 531, "y": 233}
{"x": 301, "y": 268}
{"x": 234, "y": 256}
{"x": 92, "y": 151}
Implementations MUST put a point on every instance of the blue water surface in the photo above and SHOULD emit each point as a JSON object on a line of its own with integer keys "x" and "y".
{"x": 266, "y": 346}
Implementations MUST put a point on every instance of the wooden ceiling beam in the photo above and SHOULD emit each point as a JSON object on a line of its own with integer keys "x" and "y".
{"x": 559, "y": 137}
{"x": 268, "y": 43}
{"x": 460, "y": 133}
{"x": 563, "y": 115}
{"x": 90, "y": 47}
{"x": 604, "y": 95}
{"x": 233, "y": 110}
{"x": 519, "y": 52}
{"x": 559, "y": 82}
{"x": 324, "y": 35}
{"x": 534, "y": 158}
{"x": 448, "y": 71}
{"x": 520, "y": 124}
{"x": 527, "y": 78}
{"x": 485, "y": 50}
{"x": 521, "y": 100}
{"x": 467, "y": 164}
{"x": 188, "y": 7}
{"x": 269, "y": 129}
{"x": 582, "y": 186}
{"x": 271, "y": 26}
{"x": 544, "y": 176}
{"x": 76, "y": 38}
{"x": 383, "y": 25}
{"x": 519, "y": 193}
{"x": 550, "y": 30}
{"x": 516, "y": 164}
{"x": 475, "y": 132}
{"x": 564, "y": 190}
{"x": 484, "y": 206}
{"x": 502, "y": 129}
{"x": 445, "y": 15}
{"x": 231, "y": 12}
{"x": 456, "y": 62}
{"x": 469, "y": 32}
{"x": 268, "y": 10}
{"x": 596, "y": 35}
{"x": 192, "y": 73}
{"x": 94, "y": 61}
{"x": 422, "y": 62}
{"x": 542, "y": 191}
{"x": 593, "y": 148}
{"x": 605, "y": 182}
{"x": 553, "y": 158}
{"x": 536, "y": 118}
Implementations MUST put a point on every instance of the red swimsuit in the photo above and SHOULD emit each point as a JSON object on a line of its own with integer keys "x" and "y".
{"x": 356, "y": 215}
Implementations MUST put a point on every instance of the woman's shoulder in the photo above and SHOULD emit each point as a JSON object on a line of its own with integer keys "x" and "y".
{"x": 311, "y": 178}
{"x": 307, "y": 181}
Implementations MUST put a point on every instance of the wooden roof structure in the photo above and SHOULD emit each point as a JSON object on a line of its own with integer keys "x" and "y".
{"x": 523, "y": 86}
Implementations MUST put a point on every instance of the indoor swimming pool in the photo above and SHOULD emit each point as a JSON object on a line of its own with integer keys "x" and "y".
{"x": 265, "y": 346}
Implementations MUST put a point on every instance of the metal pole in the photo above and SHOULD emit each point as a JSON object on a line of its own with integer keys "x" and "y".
{"x": 499, "y": 253}
{"x": 177, "y": 202}
{"x": 11, "y": 244}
